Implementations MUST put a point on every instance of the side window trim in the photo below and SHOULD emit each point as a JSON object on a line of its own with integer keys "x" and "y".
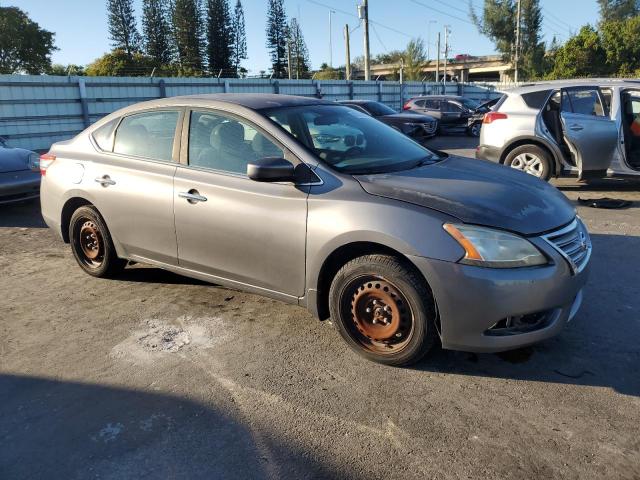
{"x": 176, "y": 136}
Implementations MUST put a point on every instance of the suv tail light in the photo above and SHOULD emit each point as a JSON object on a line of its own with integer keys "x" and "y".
{"x": 407, "y": 106}
{"x": 46, "y": 159}
{"x": 490, "y": 117}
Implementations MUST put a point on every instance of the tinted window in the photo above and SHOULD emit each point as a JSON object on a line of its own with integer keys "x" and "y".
{"x": 102, "y": 135}
{"x": 432, "y": 104}
{"x": 585, "y": 102}
{"x": 452, "y": 107}
{"x": 379, "y": 109}
{"x": 353, "y": 142}
{"x": 536, "y": 99}
{"x": 420, "y": 103}
{"x": 147, "y": 135}
{"x": 469, "y": 103}
{"x": 224, "y": 143}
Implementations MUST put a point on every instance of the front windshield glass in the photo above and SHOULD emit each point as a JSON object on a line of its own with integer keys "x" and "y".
{"x": 351, "y": 141}
{"x": 379, "y": 109}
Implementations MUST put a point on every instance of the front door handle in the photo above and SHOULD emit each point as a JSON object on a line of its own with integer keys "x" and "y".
{"x": 105, "y": 181}
{"x": 576, "y": 127}
{"x": 192, "y": 196}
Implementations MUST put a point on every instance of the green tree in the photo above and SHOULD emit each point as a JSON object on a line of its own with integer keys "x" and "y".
{"x": 238, "y": 39}
{"x": 532, "y": 46}
{"x": 64, "y": 70}
{"x": 24, "y": 46}
{"x": 618, "y": 9}
{"x": 497, "y": 22}
{"x": 122, "y": 26}
{"x": 187, "y": 31}
{"x": 415, "y": 58}
{"x": 328, "y": 73}
{"x": 299, "y": 51}
{"x": 119, "y": 63}
{"x": 621, "y": 42}
{"x": 277, "y": 37}
{"x": 581, "y": 56}
{"x": 219, "y": 36}
{"x": 156, "y": 32}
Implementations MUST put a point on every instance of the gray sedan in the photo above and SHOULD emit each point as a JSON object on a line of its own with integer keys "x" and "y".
{"x": 323, "y": 206}
{"x": 19, "y": 174}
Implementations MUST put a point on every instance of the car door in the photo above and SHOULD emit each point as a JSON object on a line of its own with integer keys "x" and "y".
{"x": 431, "y": 106}
{"x": 229, "y": 226}
{"x": 132, "y": 182}
{"x": 452, "y": 114}
{"x": 590, "y": 134}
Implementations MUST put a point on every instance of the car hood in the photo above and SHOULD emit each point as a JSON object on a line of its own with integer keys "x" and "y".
{"x": 477, "y": 192}
{"x": 411, "y": 117}
{"x": 14, "y": 159}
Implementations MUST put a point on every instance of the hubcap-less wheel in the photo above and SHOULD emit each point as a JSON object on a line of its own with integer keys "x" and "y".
{"x": 91, "y": 244}
{"x": 529, "y": 163}
{"x": 381, "y": 318}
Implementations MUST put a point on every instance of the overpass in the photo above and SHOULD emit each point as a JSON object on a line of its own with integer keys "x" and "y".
{"x": 489, "y": 68}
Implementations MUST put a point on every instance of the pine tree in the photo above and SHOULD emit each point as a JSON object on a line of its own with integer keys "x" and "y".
{"x": 155, "y": 29}
{"x": 277, "y": 37}
{"x": 219, "y": 33}
{"x": 618, "y": 9}
{"x": 187, "y": 33}
{"x": 239, "y": 38}
{"x": 122, "y": 26}
{"x": 532, "y": 47}
{"x": 298, "y": 49}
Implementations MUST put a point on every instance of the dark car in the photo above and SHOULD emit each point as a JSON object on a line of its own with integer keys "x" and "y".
{"x": 456, "y": 114}
{"x": 19, "y": 174}
{"x": 419, "y": 127}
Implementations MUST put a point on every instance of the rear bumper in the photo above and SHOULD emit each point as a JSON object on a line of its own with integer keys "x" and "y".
{"x": 472, "y": 301}
{"x": 487, "y": 152}
{"x": 19, "y": 186}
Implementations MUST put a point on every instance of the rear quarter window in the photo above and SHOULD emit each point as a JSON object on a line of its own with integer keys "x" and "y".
{"x": 102, "y": 135}
{"x": 536, "y": 99}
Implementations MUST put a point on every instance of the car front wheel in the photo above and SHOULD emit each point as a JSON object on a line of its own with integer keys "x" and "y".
{"x": 383, "y": 309}
{"x": 474, "y": 130}
{"x": 530, "y": 159}
{"x": 92, "y": 245}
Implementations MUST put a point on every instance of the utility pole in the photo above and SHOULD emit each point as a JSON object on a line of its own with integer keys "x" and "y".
{"x": 429, "y": 39}
{"x": 363, "y": 13}
{"x": 331, "y": 12}
{"x": 446, "y": 54}
{"x": 517, "y": 53}
{"x": 289, "y": 57}
{"x": 438, "y": 60}
{"x": 347, "y": 72}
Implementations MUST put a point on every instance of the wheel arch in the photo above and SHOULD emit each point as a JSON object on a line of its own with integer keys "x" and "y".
{"x": 538, "y": 142}
{"x": 338, "y": 258}
{"x": 70, "y": 206}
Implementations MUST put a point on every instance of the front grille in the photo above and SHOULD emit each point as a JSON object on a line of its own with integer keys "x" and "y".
{"x": 573, "y": 243}
{"x": 430, "y": 127}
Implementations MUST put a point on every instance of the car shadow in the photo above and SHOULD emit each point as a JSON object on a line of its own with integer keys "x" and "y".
{"x": 148, "y": 274}
{"x": 612, "y": 184}
{"x": 598, "y": 348}
{"x": 62, "y": 429}
{"x": 22, "y": 215}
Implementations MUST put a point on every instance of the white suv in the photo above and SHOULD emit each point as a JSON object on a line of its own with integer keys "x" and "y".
{"x": 588, "y": 127}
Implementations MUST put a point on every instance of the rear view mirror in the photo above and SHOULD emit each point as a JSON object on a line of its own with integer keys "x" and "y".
{"x": 271, "y": 169}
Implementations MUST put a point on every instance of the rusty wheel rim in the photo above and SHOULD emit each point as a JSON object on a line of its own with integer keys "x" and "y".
{"x": 91, "y": 244}
{"x": 381, "y": 319}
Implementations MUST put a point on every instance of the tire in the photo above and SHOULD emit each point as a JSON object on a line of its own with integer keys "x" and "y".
{"x": 539, "y": 161}
{"x": 474, "y": 130}
{"x": 91, "y": 244}
{"x": 399, "y": 329}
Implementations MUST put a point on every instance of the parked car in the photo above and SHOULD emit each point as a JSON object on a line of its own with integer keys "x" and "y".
{"x": 418, "y": 127}
{"x": 402, "y": 247}
{"x": 19, "y": 174}
{"x": 455, "y": 114}
{"x": 586, "y": 127}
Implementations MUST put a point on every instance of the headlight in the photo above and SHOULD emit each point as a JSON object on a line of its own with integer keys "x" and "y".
{"x": 486, "y": 247}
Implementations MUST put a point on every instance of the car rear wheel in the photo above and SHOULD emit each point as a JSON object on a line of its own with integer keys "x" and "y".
{"x": 530, "y": 159}
{"x": 383, "y": 310}
{"x": 91, "y": 244}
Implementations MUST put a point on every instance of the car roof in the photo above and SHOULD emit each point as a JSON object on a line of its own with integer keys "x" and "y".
{"x": 254, "y": 101}
{"x": 357, "y": 101}
{"x": 587, "y": 82}
{"x": 438, "y": 97}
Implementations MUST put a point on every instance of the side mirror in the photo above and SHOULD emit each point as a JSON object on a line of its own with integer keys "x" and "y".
{"x": 271, "y": 169}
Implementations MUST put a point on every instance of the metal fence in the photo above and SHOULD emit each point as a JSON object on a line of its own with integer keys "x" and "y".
{"x": 36, "y": 111}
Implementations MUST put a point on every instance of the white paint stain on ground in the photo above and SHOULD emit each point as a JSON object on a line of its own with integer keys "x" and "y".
{"x": 109, "y": 433}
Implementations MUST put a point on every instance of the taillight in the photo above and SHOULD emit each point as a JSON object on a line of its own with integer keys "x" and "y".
{"x": 46, "y": 159}
{"x": 490, "y": 117}
{"x": 406, "y": 106}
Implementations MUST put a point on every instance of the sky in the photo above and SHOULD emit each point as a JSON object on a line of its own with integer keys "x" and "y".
{"x": 82, "y": 36}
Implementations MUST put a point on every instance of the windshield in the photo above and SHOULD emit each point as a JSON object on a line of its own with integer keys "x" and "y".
{"x": 379, "y": 109}
{"x": 351, "y": 141}
{"x": 470, "y": 104}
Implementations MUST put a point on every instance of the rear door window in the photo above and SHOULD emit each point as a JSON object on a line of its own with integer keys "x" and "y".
{"x": 148, "y": 135}
{"x": 432, "y": 104}
{"x": 452, "y": 107}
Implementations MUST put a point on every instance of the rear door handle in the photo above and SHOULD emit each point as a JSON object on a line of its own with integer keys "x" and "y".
{"x": 105, "y": 181}
{"x": 576, "y": 128}
{"x": 192, "y": 196}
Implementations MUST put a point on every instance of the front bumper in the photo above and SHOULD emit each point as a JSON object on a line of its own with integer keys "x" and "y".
{"x": 423, "y": 131}
{"x": 19, "y": 186}
{"x": 471, "y": 300}
{"x": 487, "y": 152}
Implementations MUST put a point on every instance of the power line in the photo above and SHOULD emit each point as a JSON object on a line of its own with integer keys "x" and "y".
{"x": 464, "y": 20}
